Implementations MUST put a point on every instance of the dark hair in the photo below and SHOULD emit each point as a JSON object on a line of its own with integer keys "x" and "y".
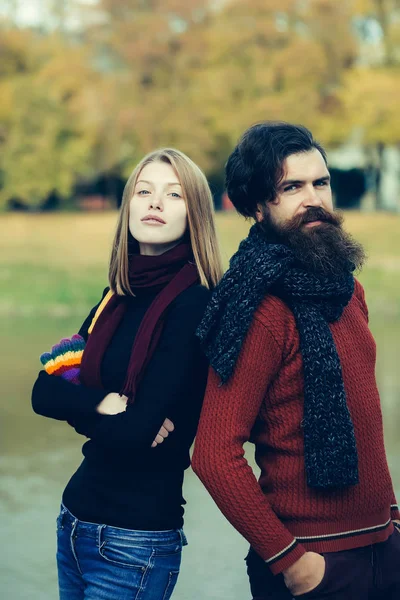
{"x": 255, "y": 167}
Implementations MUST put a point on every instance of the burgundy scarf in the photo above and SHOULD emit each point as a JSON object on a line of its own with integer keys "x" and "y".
{"x": 171, "y": 273}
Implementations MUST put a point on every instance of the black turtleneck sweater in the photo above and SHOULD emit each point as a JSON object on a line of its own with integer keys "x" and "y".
{"x": 122, "y": 481}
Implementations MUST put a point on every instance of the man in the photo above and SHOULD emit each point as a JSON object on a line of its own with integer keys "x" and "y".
{"x": 293, "y": 371}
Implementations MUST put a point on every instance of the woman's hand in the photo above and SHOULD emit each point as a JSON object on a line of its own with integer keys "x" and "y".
{"x": 166, "y": 428}
{"x": 112, "y": 404}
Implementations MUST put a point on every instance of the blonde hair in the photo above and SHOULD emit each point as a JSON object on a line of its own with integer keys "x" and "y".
{"x": 200, "y": 215}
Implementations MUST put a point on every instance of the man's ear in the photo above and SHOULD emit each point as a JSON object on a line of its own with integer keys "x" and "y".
{"x": 258, "y": 214}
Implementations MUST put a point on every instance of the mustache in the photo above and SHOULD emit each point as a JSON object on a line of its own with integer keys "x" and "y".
{"x": 326, "y": 249}
{"x": 315, "y": 213}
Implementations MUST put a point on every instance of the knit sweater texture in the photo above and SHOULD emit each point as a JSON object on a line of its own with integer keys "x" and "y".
{"x": 263, "y": 403}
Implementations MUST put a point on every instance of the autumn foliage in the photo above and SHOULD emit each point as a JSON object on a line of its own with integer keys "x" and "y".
{"x": 138, "y": 74}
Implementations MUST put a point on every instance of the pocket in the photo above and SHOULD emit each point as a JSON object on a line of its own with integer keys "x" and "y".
{"x": 393, "y": 540}
{"x": 320, "y": 587}
{"x": 124, "y": 555}
{"x": 172, "y": 579}
{"x": 168, "y": 549}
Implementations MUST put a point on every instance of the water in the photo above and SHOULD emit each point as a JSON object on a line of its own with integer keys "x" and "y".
{"x": 38, "y": 455}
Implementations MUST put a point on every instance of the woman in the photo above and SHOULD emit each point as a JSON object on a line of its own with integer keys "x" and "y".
{"x": 141, "y": 385}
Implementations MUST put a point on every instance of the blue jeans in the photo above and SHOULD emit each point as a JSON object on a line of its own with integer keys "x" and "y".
{"x": 101, "y": 562}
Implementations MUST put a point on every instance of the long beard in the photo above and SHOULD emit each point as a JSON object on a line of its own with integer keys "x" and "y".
{"x": 325, "y": 249}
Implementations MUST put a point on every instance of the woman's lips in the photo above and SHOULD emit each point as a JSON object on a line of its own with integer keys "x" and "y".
{"x": 153, "y": 221}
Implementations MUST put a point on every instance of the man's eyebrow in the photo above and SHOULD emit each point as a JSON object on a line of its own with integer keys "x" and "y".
{"x": 290, "y": 182}
{"x": 300, "y": 181}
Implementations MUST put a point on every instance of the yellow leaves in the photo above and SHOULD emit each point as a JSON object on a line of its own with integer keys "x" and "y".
{"x": 372, "y": 98}
{"x": 44, "y": 142}
{"x": 6, "y": 104}
{"x": 301, "y": 63}
{"x": 66, "y": 72}
{"x": 178, "y": 72}
{"x": 15, "y": 58}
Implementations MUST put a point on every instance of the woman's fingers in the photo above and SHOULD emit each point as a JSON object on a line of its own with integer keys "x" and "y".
{"x": 168, "y": 424}
{"x": 166, "y": 428}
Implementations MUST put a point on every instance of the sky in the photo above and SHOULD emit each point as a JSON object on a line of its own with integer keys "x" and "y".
{"x": 31, "y": 13}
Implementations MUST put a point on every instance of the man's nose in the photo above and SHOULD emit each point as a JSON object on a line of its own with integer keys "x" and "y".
{"x": 312, "y": 197}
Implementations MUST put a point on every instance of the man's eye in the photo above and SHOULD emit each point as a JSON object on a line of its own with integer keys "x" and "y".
{"x": 321, "y": 183}
{"x": 290, "y": 188}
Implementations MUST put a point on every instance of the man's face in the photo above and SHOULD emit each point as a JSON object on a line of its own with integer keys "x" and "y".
{"x": 305, "y": 184}
{"x": 302, "y": 217}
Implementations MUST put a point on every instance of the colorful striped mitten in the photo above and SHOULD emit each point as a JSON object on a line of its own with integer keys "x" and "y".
{"x": 65, "y": 358}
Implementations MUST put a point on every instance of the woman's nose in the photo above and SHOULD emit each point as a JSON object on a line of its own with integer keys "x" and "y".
{"x": 156, "y": 202}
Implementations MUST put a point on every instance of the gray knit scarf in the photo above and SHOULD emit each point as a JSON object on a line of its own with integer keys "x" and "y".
{"x": 259, "y": 268}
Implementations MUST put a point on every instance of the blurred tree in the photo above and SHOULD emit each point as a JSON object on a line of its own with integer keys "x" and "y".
{"x": 45, "y": 134}
{"x": 279, "y": 60}
{"x": 144, "y": 49}
{"x": 379, "y": 29}
{"x": 371, "y": 99}
{"x": 127, "y": 76}
{"x": 371, "y": 90}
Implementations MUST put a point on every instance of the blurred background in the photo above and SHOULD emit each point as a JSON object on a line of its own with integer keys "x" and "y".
{"x": 87, "y": 87}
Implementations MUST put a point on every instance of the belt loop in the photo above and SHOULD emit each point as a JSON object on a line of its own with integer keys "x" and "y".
{"x": 72, "y": 543}
{"x": 60, "y": 520}
{"x": 74, "y": 526}
{"x": 61, "y": 517}
{"x": 100, "y": 528}
{"x": 183, "y": 537}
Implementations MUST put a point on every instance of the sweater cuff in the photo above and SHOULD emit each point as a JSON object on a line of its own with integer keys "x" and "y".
{"x": 286, "y": 557}
{"x": 394, "y": 512}
{"x": 74, "y": 399}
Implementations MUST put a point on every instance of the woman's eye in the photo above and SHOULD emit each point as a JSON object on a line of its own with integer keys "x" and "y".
{"x": 143, "y": 192}
{"x": 175, "y": 195}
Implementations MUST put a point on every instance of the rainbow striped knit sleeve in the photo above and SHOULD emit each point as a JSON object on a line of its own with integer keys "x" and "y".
{"x": 65, "y": 358}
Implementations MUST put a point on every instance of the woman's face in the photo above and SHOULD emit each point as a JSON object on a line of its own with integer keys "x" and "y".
{"x": 157, "y": 210}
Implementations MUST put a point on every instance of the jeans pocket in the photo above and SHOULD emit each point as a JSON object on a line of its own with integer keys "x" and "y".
{"x": 172, "y": 579}
{"x": 126, "y": 555}
{"x": 168, "y": 549}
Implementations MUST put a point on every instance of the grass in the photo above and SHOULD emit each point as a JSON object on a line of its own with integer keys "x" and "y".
{"x": 53, "y": 269}
{"x": 56, "y": 264}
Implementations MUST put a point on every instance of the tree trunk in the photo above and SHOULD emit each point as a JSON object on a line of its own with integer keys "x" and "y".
{"x": 378, "y": 169}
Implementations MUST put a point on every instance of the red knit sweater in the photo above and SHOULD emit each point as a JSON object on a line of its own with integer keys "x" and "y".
{"x": 262, "y": 402}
